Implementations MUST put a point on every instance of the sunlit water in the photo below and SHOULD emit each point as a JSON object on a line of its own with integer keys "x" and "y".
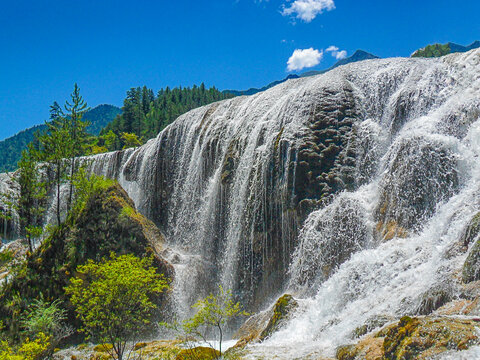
{"x": 206, "y": 181}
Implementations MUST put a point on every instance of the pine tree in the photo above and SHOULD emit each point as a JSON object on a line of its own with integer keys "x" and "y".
{"x": 77, "y": 131}
{"x": 55, "y": 149}
{"x": 31, "y": 195}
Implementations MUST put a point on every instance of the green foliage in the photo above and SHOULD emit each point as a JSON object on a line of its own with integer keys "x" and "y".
{"x": 145, "y": 114}
{"x": 110, "y": 140}
{"x": 96, "y": 227}
{"x": 113, "y": 298}
{"x": 47, "y": 318}
{"x": 31, "y": 196}
{"x": 12, "y": 147}
{"x": 6, "y": 257}
{"x": 28, "y": 350}
{"x": 435, "y": 50}
{"x": 213, "y": 314}
{"x": 86, "y": 185}
{"x": 130, "y": 140}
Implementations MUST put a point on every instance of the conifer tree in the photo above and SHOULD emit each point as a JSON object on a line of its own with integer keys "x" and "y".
{"x": 77, "y": 132}
{"x": 31, "y": 195}
{"x": 55, "y": 150}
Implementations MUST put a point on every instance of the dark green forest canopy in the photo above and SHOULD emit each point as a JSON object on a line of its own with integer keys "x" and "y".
{"x": 146, "y": 114}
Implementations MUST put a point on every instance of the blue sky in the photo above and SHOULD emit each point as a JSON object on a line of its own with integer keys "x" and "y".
{"x": 108, "y": 46}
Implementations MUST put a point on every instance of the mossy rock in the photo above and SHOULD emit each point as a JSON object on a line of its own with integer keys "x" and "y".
{"x": 103, "y": 348}
{"x": 200, "y": 352}
{"x": 262, "y": 325}
{"x": 472, "y": 230}
{"x": 158, "y": 349}
{"x": 281, "y": 311}
{"x": 421, "y": 338}
{"x": 108, "y": 222}
{"x": 346, "y": 352}
{"x": 414, "y": 338}
{"x": 471, "y": 268}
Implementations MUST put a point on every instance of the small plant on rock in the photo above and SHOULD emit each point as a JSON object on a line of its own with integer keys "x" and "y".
{"x": 213, "y": 314}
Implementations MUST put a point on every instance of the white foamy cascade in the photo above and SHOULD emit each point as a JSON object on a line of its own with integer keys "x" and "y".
{"x": 430, "y": 170}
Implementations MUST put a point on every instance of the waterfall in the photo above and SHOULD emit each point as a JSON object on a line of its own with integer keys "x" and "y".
{"x": 346, "y": 189}
{"x": 282, "y": 190}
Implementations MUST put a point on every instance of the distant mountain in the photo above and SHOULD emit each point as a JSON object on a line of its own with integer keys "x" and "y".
{"x": 11, "y": 148}
{"x": 359, "y": 55}
{"x": 253, "y": 91}
{"x": 436, "y": 50}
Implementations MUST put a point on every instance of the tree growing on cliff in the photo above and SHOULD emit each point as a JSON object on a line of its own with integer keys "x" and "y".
{"x": 113, "y": 299}
{"x": 31, "y": 195}
{"x": 130, "y": 140}
{"x": 77, "y": 132}
{"x": 54, "y": 149}
{"x": 27, "y": 196}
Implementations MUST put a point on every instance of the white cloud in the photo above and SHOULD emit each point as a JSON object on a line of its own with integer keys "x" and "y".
{"x": 341, "y": 54}
{"x": 305, "y": 58}
{"x": 336, "y": 53}
{"x": 307, "y": 10}
{"x": 332, "y": 48}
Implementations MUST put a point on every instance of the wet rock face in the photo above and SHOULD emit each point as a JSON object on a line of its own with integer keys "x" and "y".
{"x": 421, "y": 173}
{"x": 254, "y": 186}
{"x": 434, "y": 298}
{"x": 326, "y": 157}
{"x": 471, "y": 231}
{"x": 262, "y": 325}
{"x": 471, "y": 268}
{"x": 330, "y": 236}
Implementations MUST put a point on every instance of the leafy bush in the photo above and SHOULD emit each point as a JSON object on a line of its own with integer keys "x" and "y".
{"x": 113, "y": 299}
{"x": 28, "y": 350}
{"x": 46, "y": 318}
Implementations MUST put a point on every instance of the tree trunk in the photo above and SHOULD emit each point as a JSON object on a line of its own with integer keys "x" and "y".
{"x": 58, "y": 194}
{"x": 70, "y": 195}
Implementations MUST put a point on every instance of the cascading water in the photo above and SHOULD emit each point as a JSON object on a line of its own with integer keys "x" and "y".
{"x": 345, "y": 189}
{"x": 427, "y": 184}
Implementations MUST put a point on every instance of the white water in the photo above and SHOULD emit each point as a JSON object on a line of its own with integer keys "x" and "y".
{"x": 389, "y": 278}
{"x": 224, "y": 184}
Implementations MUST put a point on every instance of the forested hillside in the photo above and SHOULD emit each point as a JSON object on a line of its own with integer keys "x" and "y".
{"x": 11, "y": 148}
{"x": 436, "y": 50}
{"x": 146, "y": 114}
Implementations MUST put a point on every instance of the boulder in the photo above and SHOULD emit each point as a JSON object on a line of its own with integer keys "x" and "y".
{"x": 415, "y": 338}
{"x": 261, "y": 326}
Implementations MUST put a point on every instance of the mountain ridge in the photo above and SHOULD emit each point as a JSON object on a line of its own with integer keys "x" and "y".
{"x": 11, "y": 147}
{"x": 358, "y": 55}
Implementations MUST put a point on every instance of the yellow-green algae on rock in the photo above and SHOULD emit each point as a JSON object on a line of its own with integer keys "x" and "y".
{"x": 415, "y": 338}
